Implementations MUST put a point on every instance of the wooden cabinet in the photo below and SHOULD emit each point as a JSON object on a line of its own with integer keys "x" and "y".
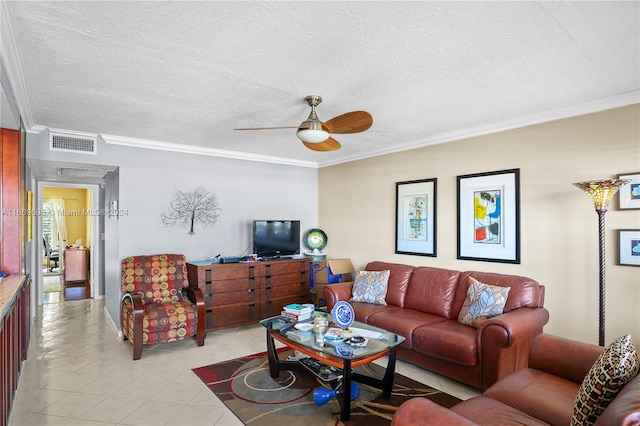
{"x": 244, "y": 293}
{"x": 11, "y": 181}
{"x": 14, "y": 337}
{"x": 76, "y": 264}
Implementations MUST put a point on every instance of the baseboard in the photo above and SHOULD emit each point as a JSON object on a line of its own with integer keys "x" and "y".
{"x": 116, "y": 329}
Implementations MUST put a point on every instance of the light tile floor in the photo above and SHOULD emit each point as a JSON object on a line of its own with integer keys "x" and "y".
{"x": 79, "y": 373}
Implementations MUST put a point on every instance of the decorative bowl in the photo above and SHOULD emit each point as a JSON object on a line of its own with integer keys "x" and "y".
{"x": 304, "y": 326}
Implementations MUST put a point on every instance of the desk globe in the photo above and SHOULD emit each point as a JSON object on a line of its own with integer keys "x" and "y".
{"x": 315, "y": 240}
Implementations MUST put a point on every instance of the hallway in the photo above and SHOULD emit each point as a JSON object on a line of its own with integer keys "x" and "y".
{"x": 56, "y": 290}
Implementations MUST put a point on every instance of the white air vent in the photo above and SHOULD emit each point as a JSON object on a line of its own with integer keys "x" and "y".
{"x": 72, "y": 143}
{"x": 81, "y": 173}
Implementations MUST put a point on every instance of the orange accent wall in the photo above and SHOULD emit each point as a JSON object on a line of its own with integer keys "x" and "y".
{"x": 11, "y": 231}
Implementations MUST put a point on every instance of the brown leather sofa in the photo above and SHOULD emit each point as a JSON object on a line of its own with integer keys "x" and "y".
{"x": 423, "y": 304}
{"x": 542, "y": 394}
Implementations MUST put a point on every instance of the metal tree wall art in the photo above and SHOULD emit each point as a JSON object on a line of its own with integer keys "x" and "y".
{"x": 188, "y": 208}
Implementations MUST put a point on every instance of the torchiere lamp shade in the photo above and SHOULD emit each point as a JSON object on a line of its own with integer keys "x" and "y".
{"x": 601, "y": 191}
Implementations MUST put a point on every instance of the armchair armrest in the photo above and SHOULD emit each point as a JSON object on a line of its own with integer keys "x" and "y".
{"x": 422, "y": 412}
{"x": 569, "y": 359}
{"x": 138, "y": 314}
{"x": 336, "y": 292}
{"x": 195, "y": 296}
{"x": 505, "y": 342}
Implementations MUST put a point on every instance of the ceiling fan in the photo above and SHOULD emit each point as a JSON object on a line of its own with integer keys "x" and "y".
{"x": 316, "y": 135}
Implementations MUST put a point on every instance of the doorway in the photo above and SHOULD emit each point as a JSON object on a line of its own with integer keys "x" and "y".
{"x": 68, "y": 230}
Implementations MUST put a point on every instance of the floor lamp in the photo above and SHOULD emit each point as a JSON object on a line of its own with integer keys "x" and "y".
{"x": 601, "y": 191}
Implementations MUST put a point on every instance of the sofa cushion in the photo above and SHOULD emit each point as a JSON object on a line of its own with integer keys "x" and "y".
{"x": 432, "y": 290}
{"x": 612, "y": 370}
{"x": 364, "y": 311}
{"x": 370, "y": 287}
{"x": 398, "y": 280}
{"x": 483, "y": 301}
{"x": 403, "y": 322}
{"x": 525, "y": 292}
{"x": 489, "y": 412}
{"x": 448, "y": 340}
{"x": 541, "y": 395}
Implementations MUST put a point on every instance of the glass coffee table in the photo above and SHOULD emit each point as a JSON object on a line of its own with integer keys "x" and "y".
{"x": 340, "y": 355}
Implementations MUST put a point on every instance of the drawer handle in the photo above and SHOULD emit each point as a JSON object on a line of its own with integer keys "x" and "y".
{"x": 250, "y": 290}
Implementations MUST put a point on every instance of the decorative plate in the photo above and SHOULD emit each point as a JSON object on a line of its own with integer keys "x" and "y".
{"x": 315, "y": 239}
{"x": 343, "y": 315}
{"x": 343, "y": 350}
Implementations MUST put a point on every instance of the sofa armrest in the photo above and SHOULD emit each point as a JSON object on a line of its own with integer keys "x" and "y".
{"x": 624, "y": 410}
{"x": 336, "y": 292}
{"x": 423, "y": 412}
{"x": 505, "y": 342}
{"x": 569, "y": 359}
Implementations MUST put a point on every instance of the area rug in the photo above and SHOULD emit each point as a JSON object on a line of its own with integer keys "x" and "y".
{"x": 247, "y": 389}
{"x": 51, "y": 284}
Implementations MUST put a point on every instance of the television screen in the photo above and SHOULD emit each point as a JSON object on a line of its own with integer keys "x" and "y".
{"x": 273, "y": 238}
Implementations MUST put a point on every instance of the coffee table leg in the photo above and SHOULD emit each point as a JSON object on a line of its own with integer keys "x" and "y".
{"x": 272, "y": 355}
{"x": 387, "y": 380}
{"x": 345, "y": 405}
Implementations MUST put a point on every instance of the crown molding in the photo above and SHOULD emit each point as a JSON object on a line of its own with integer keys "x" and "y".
{"x": 610, "y": 102}
{"x": 13, "y": 66}
{"x": 199, "y": 150}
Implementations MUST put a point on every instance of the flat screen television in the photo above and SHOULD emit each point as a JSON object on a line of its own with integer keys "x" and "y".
{"x": 275, "y": 238}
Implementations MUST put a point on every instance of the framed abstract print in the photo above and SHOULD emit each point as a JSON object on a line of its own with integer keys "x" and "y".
{"x": 416, "y": 217}
{"x": 629, "y": 247}
{"x": 629, "y": 195}
{"x": 489, "y": 216}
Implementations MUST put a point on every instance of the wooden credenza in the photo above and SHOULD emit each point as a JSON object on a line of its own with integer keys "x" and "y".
{"x": 243, "y": 293}
{"x": 76, "y": 264}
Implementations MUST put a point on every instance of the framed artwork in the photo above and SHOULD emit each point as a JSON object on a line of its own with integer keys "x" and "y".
{"x": 489, "y": 216}
{"x": 416, "y": 217}
{"x": 30, "y": 214}
{"x": 629, "y": 194}
{"x": 629, "y": 247}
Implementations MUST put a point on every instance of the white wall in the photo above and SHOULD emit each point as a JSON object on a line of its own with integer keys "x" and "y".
{"x": 245, "y": 190}
{"x": 559, "y": 226}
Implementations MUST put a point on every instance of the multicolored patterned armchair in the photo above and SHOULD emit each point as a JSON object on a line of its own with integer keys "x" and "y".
{"x": 158, "y": 305}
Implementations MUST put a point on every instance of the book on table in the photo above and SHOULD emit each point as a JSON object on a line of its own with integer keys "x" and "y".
{"x": 298, "y": 309}
{"x": 296, "y": 317}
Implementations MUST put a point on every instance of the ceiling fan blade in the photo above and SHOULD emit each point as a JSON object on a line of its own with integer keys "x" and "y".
{"x": 351, "y": 122}
{"x": 328, "y": 145}
{"x": 268, "y": 128}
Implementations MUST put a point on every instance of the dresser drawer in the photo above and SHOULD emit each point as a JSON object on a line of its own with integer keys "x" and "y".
{"x": 284, "y": 267}
{"x": 231, "y": 297}
{"x": 232, "y": 315}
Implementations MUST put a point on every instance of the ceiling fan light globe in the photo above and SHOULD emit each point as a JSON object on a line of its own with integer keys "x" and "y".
{"x": 312, "y": 135}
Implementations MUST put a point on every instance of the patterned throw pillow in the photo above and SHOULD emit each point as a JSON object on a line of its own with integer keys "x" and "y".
{"x": 483, "y": 302}
{"x": 612, "y": 370}
{"x": 370, "y": 287}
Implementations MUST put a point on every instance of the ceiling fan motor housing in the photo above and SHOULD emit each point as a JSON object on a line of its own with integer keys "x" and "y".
{"x": 311, "y": 130}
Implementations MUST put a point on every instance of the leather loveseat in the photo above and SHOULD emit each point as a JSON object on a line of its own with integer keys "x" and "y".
{"x": 423, "y": 304}
{"x": 542, "y": 394}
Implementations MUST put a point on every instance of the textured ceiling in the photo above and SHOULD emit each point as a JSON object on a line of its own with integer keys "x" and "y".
{"x": 188, "y": 73}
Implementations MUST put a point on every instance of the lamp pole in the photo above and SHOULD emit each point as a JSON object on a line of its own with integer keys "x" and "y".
{"x": 601, "y": 191}
{"x": 601, "y": 276}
